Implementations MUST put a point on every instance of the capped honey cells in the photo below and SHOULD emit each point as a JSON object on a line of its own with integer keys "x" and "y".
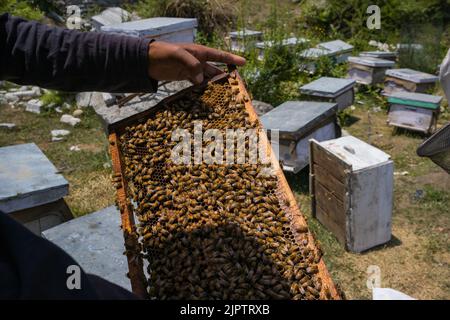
{"x": 213, "y": 231}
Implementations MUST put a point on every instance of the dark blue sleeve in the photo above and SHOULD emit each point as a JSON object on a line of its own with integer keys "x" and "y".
{"x": 56, "y": 58}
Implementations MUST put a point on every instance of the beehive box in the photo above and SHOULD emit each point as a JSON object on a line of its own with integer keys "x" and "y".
{"x": 312, "y": 55}
{"x": 339, "y": 50}
{"x": 368, "y": 70}
{"x": 160, "y": 28}
{"x": 408, "y": 80}
{"x": 244, "y": 40}
{"x": 289, "y": 42}
{"x": 203, "y": 239}
{"x": 296, "y": 122}
{"x": 32, "y": 190}
{"x": 328, "y": 89}
{"x": 386, "y": 55}
{"x": 414, "y": 111}
{"x": 351, "y": 185}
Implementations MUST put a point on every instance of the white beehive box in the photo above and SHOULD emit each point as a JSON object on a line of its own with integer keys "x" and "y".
{"x": 351, "y": 184}
{"x": 31, "y": 188}
{"x": 368, "y": 70}
{"x": 160, "y": 28}
{"x": 328, "y": 89}
{"x": 408, "y": 80}
{"x": 339, "y": 50}
{"x": 414, "y": 111}
{"x": 387, "y": 55}
{"x": 244, "y": 40}
{"x": 311, "y": 56}
{"x": 297, "y": 122}
{"x": 289, "y": 42}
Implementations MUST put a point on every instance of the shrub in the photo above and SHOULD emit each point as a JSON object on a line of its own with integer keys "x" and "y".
{"x": 21, "y": 8}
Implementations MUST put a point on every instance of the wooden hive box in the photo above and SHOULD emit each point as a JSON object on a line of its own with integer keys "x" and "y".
{"x": 244, "y": 40}
{"x": 312, "y": 55}
{"x": 335, "y": 90}
{"x": 160, "y": 28}
{"x": 368, "y": 70}
{"x": 414, "y": 111}
{"x": 289, "y": 42}
{"x": 351, "y": 185}
{"x": 297, "y": 122}
{"x": 339, "y": 50}
{"x": 408, "y": 80}
{"x": 386, "y": 55}
{"x": 32, "y": 190}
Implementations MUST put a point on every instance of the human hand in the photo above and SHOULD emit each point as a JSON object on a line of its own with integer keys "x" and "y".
{"x": 168, "y": 61}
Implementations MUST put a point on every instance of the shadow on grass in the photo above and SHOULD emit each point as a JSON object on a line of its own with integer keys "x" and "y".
{"x": 299, "y": 182}
{"x": 394, "y": 242}
{"x": 409, "y": 133}
{"x": 348, "y": 120}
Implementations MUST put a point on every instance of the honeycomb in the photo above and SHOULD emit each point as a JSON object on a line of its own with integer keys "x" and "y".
{"x": 212, "y": 231}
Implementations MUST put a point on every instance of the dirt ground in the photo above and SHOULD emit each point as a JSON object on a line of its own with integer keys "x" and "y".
{"x": 416, "y": 260}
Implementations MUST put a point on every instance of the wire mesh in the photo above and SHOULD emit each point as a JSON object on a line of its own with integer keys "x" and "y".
{"x": 437, "y": 148}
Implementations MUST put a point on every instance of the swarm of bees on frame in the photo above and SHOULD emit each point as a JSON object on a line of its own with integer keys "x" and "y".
{"x": 213, "y": 231}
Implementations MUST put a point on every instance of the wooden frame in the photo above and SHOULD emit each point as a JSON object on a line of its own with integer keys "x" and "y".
{"x": 135, "y": 261}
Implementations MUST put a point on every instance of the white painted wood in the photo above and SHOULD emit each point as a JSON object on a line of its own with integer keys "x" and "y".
{"x": 371, "y": 207}
{"x": 369, "y": 186}
{"x": 345, "y": 100}
{"x": 161, "y": 28}
{"x": 295, "y": 155}
{"x": 355, "y": 152}
{"x": 409, "y": 117}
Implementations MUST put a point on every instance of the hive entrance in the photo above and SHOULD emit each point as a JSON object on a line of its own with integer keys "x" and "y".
{"x": 212, "y": 231}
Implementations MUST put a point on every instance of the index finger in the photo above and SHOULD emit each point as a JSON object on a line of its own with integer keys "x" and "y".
{"x": 222, "y": 56}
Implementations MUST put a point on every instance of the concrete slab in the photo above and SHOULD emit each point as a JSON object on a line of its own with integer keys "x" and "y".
{"x": 96, "y": 242}
{"x": 28, "y": 179}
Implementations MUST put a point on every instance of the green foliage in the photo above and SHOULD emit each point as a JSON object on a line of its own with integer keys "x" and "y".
{"x": 148, "y": 8}
{"x": 213, "y": 15}
{"x": 52, "y": 96}
{"x": 21, "y": 8}
{"x": 349, "y": 17}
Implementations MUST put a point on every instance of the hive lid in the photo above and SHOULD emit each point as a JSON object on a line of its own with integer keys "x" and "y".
{"x": 328, "y": 87}
{"x": 409, "y": 46}
{"x": 336, "y": 46}
{"x": 285, "y": 42}
{"x": 355, "y": 152}
{"x": 371, "y": 62}
{"x": 314, "y": 53}
{"x": 412, "y": 75}
{"x": 379, "y": 54}
{"x": 297, "y": 117}
{"x": 245, "y": 33}
{"x": 28, "y": 178}
{"x": 151, "y": 27}
{"x": 415, "y": 99}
